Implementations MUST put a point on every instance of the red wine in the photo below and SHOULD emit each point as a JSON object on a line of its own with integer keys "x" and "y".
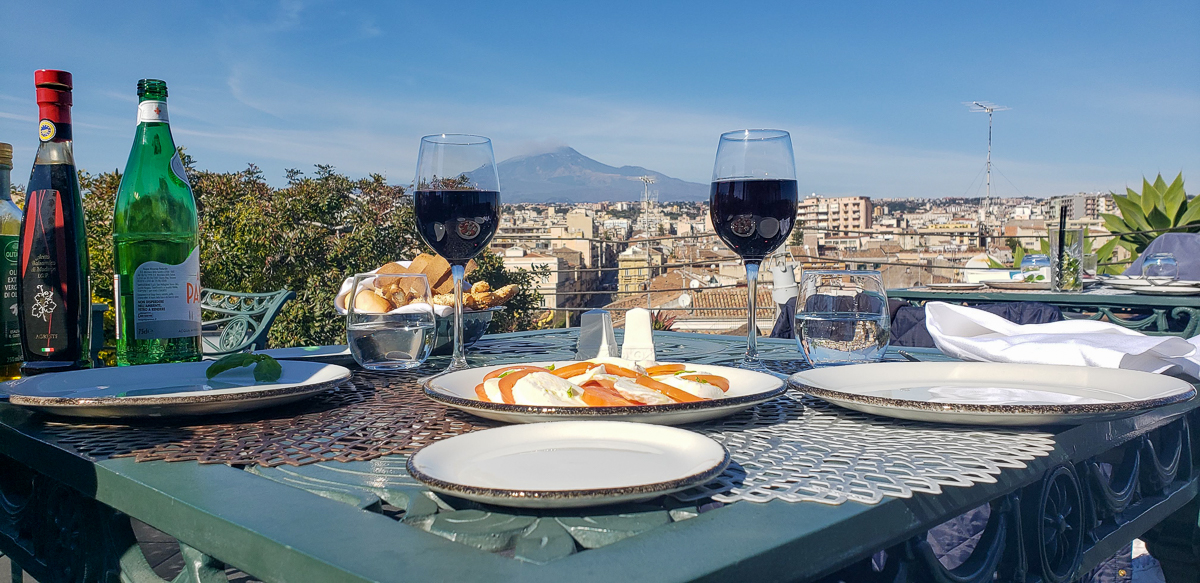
{"x": 753, "y": 217}
{"x": 54, "y": 295}
{"x": 458, "y": 224}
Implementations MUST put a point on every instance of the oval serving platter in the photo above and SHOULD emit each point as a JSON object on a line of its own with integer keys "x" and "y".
{"x": 992, "y": 393}
{"x": 746, "y": 389}
{"x": 568, "y": 464}
{"x": 162, "y": 390}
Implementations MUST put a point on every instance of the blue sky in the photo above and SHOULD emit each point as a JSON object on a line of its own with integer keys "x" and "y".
{"x": 1101, "y": 92}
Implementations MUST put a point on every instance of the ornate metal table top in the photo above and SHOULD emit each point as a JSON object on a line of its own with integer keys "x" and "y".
{"x": 830, "y": 488}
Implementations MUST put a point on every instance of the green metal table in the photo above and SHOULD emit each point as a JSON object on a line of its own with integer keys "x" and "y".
{"x": 66, "y": 517}
{"x": 1176, "y": 315}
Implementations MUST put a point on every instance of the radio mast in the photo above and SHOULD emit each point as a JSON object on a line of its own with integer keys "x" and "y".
{"x": 988, "y": 108}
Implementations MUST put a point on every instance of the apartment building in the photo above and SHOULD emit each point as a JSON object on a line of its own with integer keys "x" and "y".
{"x": 637, "y": 265}
{"x": 843, "y": 213}
{"x": 1081, "y": 206}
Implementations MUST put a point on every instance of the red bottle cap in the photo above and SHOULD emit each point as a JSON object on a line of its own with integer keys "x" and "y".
{"x": 52, "y": 79}
{"x": 53, "y": 97}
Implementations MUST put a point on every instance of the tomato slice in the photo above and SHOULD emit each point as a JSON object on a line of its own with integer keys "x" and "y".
{"x": 506, "y": 383}
{"x": 597, "y": 395}
{"x": 679, "y": 395}
{"x": 500, "y": 371}
{"x": 620, "y": 371}
{"x": 571, "y": 370}
{"x": 665, "y": 369}
{"x": 481, "y": 393}
{"x": 712, "y": 379}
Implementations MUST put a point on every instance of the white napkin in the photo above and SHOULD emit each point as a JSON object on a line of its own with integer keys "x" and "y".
{"x": 972, "y": 334}
{"x": 339, "y": 301}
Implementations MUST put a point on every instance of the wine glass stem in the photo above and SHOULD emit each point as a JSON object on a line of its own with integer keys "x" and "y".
{"x": 459, "y": 359}
{"x": 752, "y": 313}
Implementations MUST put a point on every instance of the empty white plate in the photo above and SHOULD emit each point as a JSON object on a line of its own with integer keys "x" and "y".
{"x": 987, "y": 393}
{"x": 158, "y": 390}
{"x": 568, "y": 464}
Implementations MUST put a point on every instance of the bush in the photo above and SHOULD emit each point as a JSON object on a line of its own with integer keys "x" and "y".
{"x": 306, "y": 237}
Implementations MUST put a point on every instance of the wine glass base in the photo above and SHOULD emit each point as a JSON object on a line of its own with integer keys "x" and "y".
{"x": 754, "y": 364}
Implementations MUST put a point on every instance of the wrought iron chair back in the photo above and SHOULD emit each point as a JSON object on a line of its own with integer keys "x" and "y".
{"x": 243, "y": 319}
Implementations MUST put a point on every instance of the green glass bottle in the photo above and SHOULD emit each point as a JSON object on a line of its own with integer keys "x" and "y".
{"x": 10, "y": 231}
{"x": 156, "y": 244}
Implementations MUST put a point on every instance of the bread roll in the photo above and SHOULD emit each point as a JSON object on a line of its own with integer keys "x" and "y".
{"x": 367, "y": 302}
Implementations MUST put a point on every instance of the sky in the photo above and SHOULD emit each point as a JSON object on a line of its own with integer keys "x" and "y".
{"x": 1102, "y": 92}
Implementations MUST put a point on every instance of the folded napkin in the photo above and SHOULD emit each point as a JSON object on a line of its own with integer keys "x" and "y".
{"x": 972, "y": 334}
{"x": 339, "y": 301}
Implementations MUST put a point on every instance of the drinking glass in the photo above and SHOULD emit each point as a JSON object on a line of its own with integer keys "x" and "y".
{"x": 1091, "y": 265}
{"x": 1160, "y": 266}
{"x": 456, "y": 200}
{"x": 1066, "y": 259}
{"x": 753, "y": 207}
{"x": 842, "y": 317}
{"x": 1035, "y": 267}
{"x": 390, "y": 324}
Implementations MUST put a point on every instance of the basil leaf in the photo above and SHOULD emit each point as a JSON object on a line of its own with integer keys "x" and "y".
{"x": 229, "y": 362}
{"x": 267, "y": 369}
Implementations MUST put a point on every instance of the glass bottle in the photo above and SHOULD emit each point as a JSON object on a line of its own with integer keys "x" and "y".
{"x": 156, "y": 244}
{"x": 10, "y": 233}
{"x": 54, "y": 297}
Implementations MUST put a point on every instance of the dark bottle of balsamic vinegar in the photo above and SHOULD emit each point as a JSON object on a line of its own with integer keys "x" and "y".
{"x": 54, "y": 292}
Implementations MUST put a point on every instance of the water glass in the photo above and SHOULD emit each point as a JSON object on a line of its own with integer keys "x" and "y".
{"x": 1035, "y": 268}
{"x": 1091, "y": 265}
{"x": 1160, "y": 266}
{"x": 842, "y": 317}
{"x": 1066, "y": 264}
{"x": 390, "y": 323}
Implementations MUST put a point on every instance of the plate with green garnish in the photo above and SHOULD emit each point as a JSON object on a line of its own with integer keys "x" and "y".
{"x": 236, "y": 382}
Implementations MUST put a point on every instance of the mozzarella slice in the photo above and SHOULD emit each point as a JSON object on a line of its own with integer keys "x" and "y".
{"x": 635, "y": 392}
{"x": 702, "y": 390}
{"x": 545, "y": 389}
{"x": 491, "y": 387}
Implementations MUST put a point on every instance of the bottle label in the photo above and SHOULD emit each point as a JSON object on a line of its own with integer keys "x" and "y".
{"x": 46, "y": 130}
{"x": 44, "y": 278}
{"x": 10, "y": 326}
{"x": 166, "y": 299}
{"x": 179, "y": 171}
{"x": 153, "y": 111}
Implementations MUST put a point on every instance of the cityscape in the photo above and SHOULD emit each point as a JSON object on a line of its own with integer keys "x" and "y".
{"x": 665, "y": 256}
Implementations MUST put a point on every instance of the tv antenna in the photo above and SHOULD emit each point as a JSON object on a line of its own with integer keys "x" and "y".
{"x": 647, "y": 181}
{"x": 988, "y": 108}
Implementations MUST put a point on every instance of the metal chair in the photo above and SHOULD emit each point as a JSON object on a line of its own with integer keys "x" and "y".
{"x": 243, "y": 322}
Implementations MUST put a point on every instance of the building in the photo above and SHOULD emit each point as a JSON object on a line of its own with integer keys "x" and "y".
{"x": 557, "y": 285}
{"x": 843, "y": 213}
{"x": 1081, "y": 206}
{"x": 637, "y": 265}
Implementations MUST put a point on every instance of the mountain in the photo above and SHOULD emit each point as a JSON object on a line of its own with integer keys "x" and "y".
{"x": 565, "y": 175}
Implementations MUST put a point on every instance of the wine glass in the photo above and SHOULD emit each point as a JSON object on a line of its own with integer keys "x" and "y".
{"x": 842, "y": 317}
{"x": 1160, "y": 268}
{"x": 456, "y": 200}
{"x": 753, "y": 207}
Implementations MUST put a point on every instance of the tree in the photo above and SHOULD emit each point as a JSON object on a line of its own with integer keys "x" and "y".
{"x": 306, "y": 237}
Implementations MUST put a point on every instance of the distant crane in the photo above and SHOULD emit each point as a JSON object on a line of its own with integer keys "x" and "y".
{"x": 988, "y": 108}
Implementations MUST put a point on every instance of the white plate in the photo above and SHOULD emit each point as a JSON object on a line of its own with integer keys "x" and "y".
{"x": 955, "y": 286}
{"x": 568, "y": 464}
{"x": 334, "y": 354}
{"x": 1017, "y": 285}
{"x": 1140, "y": 284}
{"x": 746, "y": 389}
{"x": 1166, "y": 290}
{"x": 159, "y": 390}
{"x": 983, "y": 393}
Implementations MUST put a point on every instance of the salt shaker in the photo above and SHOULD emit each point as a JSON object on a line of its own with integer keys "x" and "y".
{"x": 596, "y": 339}
{"x": 638, "y": 344}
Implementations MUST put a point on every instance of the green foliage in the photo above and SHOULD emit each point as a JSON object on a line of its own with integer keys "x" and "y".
{"x": 1159, "y": 208}
{"x": 307, "y": 237}
{"x": 662, "y": 322}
